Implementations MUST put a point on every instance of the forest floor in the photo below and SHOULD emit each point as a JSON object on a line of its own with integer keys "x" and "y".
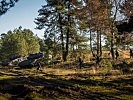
{"x": 64, "y": 83}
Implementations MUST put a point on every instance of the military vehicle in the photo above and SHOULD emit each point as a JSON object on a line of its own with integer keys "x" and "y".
{"x": 23, "y": 62}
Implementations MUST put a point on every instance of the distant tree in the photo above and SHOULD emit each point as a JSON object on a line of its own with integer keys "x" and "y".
{"x": 32, "y": 41}
{"x": 5, "y": 5}
{"x": 18, "y": 42}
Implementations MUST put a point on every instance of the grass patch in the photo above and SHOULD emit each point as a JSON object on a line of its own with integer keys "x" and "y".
{"x": 4, "y": 77}
{"x": 35, "y": 96}
{"x": 66, "y": 84}
{"x": 3, "y": 98}
{"x": 125, "y": 97}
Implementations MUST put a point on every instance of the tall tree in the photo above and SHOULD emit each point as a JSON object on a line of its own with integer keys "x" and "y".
{"x": 57, "y": 19}
{"x": 99, "y": 16}
{"x": 93, "y": 15}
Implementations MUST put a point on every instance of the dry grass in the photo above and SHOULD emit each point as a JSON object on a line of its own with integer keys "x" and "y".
{"x": 62, "y": 83}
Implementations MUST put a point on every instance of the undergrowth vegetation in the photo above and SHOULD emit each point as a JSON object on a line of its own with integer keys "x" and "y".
{"x": 66, "y": 82}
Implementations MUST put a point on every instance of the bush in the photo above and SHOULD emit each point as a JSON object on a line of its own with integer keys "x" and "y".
{"x": 34, "y": 96}
{"x": 105, "y": 65}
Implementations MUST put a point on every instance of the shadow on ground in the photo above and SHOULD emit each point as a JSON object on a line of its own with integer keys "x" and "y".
{"x": 29, "y": 87}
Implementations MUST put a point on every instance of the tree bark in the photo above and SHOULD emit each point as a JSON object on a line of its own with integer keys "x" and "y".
{"x": 67, "y": 33}
{"x": 91, "y": 43}
{"x": 112, "y": 45}
{"x": 100, "y": 44}
{"x": 62, "y": 38}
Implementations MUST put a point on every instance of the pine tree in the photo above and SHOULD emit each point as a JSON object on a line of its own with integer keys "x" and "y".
{"x": 5, "y": 5}
{"x": 58, "y": 19}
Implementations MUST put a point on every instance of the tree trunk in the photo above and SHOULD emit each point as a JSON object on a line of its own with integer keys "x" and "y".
{"x": 67, "y": 34}
{"x": 67, "y": 45}
{"x": 91, "y": 43}
{"x": 98, "y": 42}
{"x": 112, "y": 45}
{"x": 62, "y": 38}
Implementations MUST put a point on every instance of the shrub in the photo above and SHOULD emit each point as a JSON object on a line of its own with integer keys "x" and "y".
{"x": 105, "y": 65}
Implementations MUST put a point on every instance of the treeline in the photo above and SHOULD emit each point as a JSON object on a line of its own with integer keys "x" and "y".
{"x": 24, "y": 42}
{"x": 70, "y": 25}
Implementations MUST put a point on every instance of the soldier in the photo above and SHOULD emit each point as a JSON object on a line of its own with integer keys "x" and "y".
{"x": 80, "y": 62}
{"x": 97, "y": 59}
{"x": 131, "y": 53}
{"x": 39, "y": 66}
{"x": 116, "y": 54}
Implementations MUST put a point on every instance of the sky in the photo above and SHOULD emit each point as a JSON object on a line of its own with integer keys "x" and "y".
{"x": 22, "y": 14}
